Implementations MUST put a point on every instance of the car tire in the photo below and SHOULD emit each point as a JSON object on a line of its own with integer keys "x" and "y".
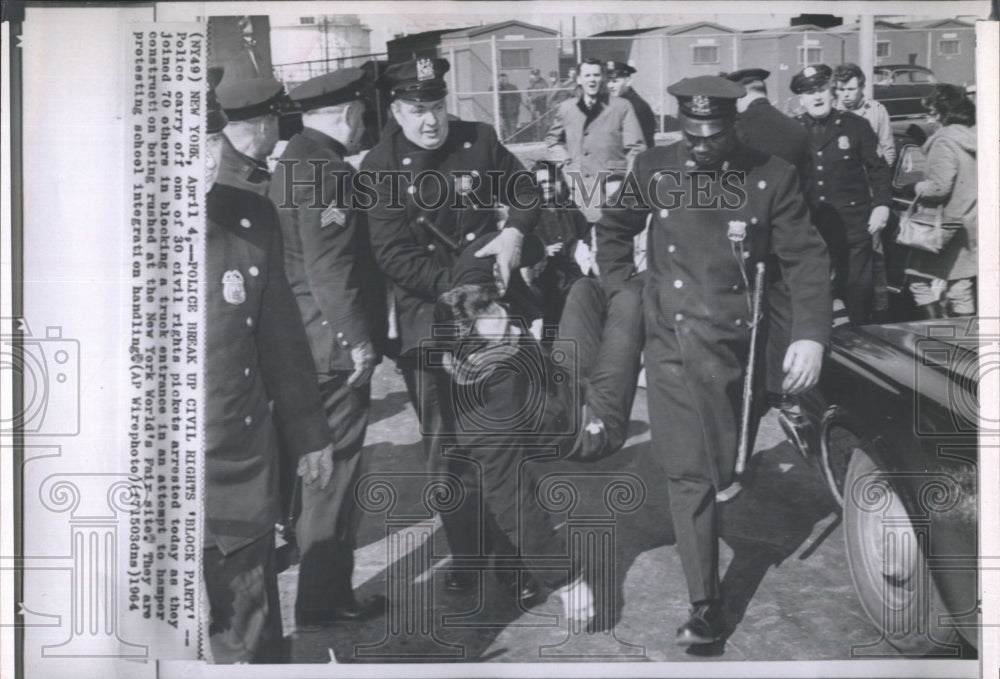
{"x": 888, "y": 564}
{"x": 837, "y": 443}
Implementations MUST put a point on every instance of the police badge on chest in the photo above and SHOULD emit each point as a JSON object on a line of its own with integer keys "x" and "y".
{"x": 233, "y": 290}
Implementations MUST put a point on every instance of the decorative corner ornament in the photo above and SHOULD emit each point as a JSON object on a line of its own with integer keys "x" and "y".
{"x": 425, "y": 69}
{"x": 737, "y": 231}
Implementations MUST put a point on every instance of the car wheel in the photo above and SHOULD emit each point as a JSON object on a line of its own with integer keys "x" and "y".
{"x": 888, "y": 566}
{"x": 837, "y": 444}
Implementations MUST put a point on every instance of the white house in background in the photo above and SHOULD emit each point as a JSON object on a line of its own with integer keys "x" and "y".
{"x": 313, "y": 44}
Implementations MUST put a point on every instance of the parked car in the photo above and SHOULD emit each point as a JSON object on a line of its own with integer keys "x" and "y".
{"x": 901, "y": 88}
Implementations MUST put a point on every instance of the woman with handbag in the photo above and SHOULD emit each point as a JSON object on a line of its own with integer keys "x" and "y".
{"x": 943, "y": 282}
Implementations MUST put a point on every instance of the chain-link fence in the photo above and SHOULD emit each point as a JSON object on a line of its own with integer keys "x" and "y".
{"x": 515, "y": 82}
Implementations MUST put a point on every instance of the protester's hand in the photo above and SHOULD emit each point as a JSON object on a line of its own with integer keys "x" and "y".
{"x": 878, "y": 219}
{"x": 583, "y": 257}
{"x": 506, "y": 247}
{"x": 317, "y": 466}
{"x": 553, "y": 249}
{"x": 363, "y": 356}
{"x": 802, "y": 365}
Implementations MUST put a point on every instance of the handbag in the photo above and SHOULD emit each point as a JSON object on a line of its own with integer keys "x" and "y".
{"x": 924, "y": 228}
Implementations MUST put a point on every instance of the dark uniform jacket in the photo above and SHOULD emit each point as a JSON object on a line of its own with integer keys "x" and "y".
{"x": 765, "y": 128}
{"x": 607, "y": 138}
{"x": 696, "y": 295}
{"x": 327, "y": 254}
{"x": 644, "y": 113}
{"x": 845, "y": 175}
{"x": 416, "y": 244}
{"x": 255, "y": 352}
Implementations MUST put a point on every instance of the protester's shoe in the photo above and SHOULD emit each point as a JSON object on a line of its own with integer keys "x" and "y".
{"x": 797, "y": 428}
{"x": 352, "y": 611}
{"x": 459, "y": 581}
{"x": 526, "y": 587}
{"x": 706, "y": 625}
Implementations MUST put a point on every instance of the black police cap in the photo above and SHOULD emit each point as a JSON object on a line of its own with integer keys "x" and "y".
{"x": 248, "y": 98}
{"x": 706, "y": 102}
{"x": 811, "y": 77}
{"x": 329, "y": 89}
{"x": 416, "y": 80}
{"x": 748, "y": 75}
{"x": 216, "y": 119}
{"x": 617, "y": 69}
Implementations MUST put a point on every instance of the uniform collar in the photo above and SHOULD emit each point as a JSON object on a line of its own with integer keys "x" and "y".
{"x": 241, "y": 171}
{"x": 324, "y": 140}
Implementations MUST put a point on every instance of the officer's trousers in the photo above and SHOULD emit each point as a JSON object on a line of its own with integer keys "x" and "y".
{"x": 245, "y": 611}
{"x": 328, "y": 525}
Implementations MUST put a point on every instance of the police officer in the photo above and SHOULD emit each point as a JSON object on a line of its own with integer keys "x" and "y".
{"x": 440, "y": 199}
{"x": 619, "y": 79}
{"x": 256, "y": 352}
{"x": 761, "y": 126}
{"x": 593, "y": 136}
{"x": 331, "y": 271}
{"x": 252, "y": 106}
{"x": 718, "y": 207}
{"x": 847, "y": 187}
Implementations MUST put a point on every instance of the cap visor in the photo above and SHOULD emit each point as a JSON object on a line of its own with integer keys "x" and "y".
{"x": 702, "y": 128}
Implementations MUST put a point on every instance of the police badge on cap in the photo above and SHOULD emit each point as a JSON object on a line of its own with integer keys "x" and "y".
{"x": 416, "y": 80}
{"x": 707, "y": 103}
{"x": 811, "y": 78}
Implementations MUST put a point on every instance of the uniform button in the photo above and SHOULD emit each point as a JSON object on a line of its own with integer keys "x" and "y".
{"x": 245, "y": 223}
{"x": 467, "y": 145}
{"x": 762, "y": 185}
{"x": 664, "y": 213}
{"x": 746, "y": 254}
{"x": 820, "y": 182}
{"x": 678, "y": 283}
{"x": 819, "y": 167}
{"x": 852, "y": 202}
{"x": 254, "y": 271}
{"x": 689, "y": 163}
{"x": 846, "y": 156}
{"x": 822, "y": 197}
{"x": 343, "y": 343}
{"x": 678, "y": 317}
{"x": 470, "y": 236}
{"x": 738, "y": 322}
{"x": 430, "y": 247}
{"x": 411, "y": 190}
{"x": 248, "y": 420}
{"x": 246, "y": 372}
{"x": 753, "y": 220}
{"x": 340, "y": 335}
{"x": 325, "y": 323}
{"x": 819, "y": 153}
{"x": 407, "y": 161}
{"x": 249, "y": 322}
{"x": 671, "y": 248}
{"x": 736, "y": 288}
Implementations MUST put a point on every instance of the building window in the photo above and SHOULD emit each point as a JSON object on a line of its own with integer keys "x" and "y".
{"x": 810, "y": 55}
{"x": 705, "y": 54}
{"x": 948, "y": 47}
{"x": 515, "y": 58}
{"x": 881, "y": 48}
{"x": 307, "y": 20}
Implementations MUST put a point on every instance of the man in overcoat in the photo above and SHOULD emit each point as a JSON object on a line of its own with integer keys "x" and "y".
{"x": 718, "y": 208}
{"x": 593, "y": 136}
{"x": 438, "y": 184}
{"x": 332, "y": 273}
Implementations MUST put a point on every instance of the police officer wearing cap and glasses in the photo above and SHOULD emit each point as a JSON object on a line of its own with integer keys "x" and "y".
{"x": 332, "y": 273}
{"x": 847, "y": 186}
{"x": 718, "y": 207}
{"x": 252, "y": 106}
{"x": 418, "y": 226}
{"x": 619, "y": 79}
{"x": 259, "y": 384}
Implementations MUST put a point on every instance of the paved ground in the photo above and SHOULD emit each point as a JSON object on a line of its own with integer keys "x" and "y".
{"x": 789, "y": 592}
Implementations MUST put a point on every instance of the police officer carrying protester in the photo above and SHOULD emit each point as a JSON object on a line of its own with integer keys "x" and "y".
{"x": 252, "y": 106}
{"x": 439, "y": 200}
{"x": 593, "y": 136}
{"x": 847, "y": 187}
{"x": 718, "y": 208}
{"x": 619, "y": 79}
{"x": 256, "y": 353}
{"x": 331, "y": 271}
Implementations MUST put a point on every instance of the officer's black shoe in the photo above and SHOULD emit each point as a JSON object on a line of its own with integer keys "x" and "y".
{"x": 351, "y": 611}
{"x": 526, "y": 587}
{"x": 459, "y": 581}
{"x": 705, "y": 625}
